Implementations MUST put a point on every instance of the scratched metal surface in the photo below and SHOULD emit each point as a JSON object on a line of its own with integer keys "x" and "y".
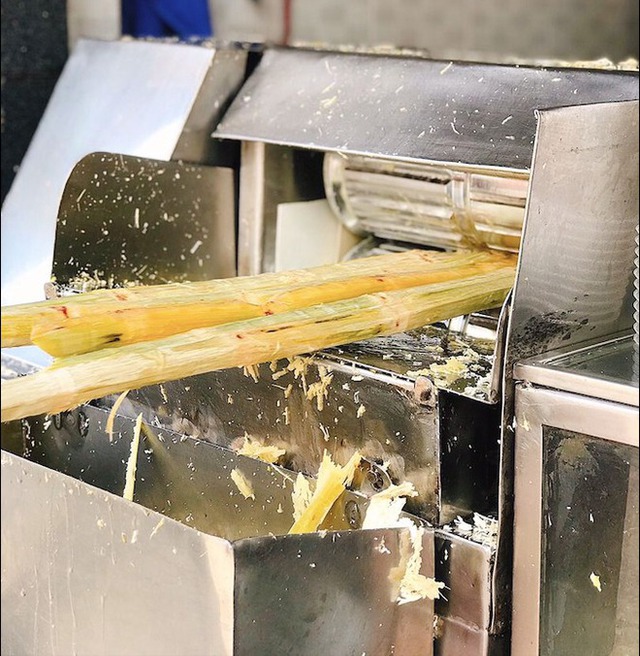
{"x": 409, "y": 108}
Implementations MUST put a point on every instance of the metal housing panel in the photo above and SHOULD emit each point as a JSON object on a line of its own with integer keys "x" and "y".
{"x": 602, "y": 370}
{"x": 536, "y": 408}
{"x": 574, "y": 277}
{"x": 182, "y": 211}
{"x": 87, "y": 572}
{"x": 333, "y": 593}
{"x": 576, "y": 263}
{"x": 409, "y": 108}
{"x": 94, "y": 108}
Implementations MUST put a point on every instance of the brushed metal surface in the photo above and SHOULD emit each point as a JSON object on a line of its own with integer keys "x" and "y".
{"x": 86, "y": 572}
{"x": 574, "y": 276}
{"x": 102, "y": 575}
{"x": 603, "y": 370}
{"x": 535, "y": 409}
{"x": 395, "y": 428}
{"x": 409, "y": 108}
{"x": 576, "y": 263}
{"x": 221, "y": 82}
{"x": 466, "y": 566}
{"x": 134, "y": 219}
{"x": 128, "y": 97}
{"x": 313, "y": 595}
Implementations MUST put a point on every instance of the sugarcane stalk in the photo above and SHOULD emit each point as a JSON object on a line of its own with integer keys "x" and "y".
{"x": 78, "y": 379}
{"x": 116, "y": 317}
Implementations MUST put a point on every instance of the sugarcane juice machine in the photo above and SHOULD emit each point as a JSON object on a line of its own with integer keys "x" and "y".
{"x": 233, "y": 161}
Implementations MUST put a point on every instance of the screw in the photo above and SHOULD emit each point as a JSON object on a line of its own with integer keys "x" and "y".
{"x": 375, "y": 479}
{"x": 70, "y": 419}
{"x": 424, "y": 392}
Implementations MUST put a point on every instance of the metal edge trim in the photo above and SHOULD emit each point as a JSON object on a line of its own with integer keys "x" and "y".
{"x": 568, "y": 381}
{"x": 458, "y": 165}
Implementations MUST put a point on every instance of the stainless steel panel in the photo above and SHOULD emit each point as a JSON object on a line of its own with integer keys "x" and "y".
{"x": 131, "y": 219}
{"x": 409, "y": 108}
{"x": 576, "y": 263}
{"x": 536, "y": 408}
{"x": 603, "y": 370}
{"x": 396, "y": 429}
{"x": 267, "y": 594}
{"x": 129, "y": 97}
{"x": 315, "y": 595}
{"x": 466, "y": 567}
{"x": 455, "y": 637}
{"x": 86, "y": 572}
{"x": 590, "y": 519}
{"x": 575, "y": 271}
{"x": 221, "y": 82}
{"x": 183, "y": 478}
{"x": 370, "y": 405}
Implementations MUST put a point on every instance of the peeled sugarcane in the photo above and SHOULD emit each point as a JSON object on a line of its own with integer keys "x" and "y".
{"x": 77, "y": 379}
{"x": 115, "y": 317}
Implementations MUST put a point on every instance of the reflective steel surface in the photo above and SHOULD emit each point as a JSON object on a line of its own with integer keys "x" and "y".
{"x": 575, "y": 271}
{"x": 576, "y": 264}
{"x": 137, "y": 220}
{"x": 86, "y": 572}
{"x": 333, "y": 594}
{"x": 106, "y": 576}
{"x": 539, "y": 411}
{"x": 409, "y": 108}
{"x": 604, "y": 370}
{"x": 96, "y": 106}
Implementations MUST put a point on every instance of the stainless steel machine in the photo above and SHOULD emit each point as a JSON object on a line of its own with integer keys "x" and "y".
{"x": 333, "y": 155}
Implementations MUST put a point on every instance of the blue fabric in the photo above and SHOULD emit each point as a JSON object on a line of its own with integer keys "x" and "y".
{"x": 182, "y": 18}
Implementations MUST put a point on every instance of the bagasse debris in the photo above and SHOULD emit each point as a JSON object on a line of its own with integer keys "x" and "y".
{"x": 384, "y": 511}
{"x": 413, "y": 585}
{"x": 252, "y": 448}
{"x": 132, "y": 462}
{"x": 331, "y": 483}
{"x": 243, "y": 484}
{"x": 114, "y": 411}
{"x": 301, "y": 496}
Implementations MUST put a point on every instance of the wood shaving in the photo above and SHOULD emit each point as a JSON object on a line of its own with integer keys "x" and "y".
{"x": 301, "y": 496}
{"x": 320, "y": 390}
{"x": 443, "y": 374}
{"x": 415, "y": 586}
{"x": 384, "y": 511}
